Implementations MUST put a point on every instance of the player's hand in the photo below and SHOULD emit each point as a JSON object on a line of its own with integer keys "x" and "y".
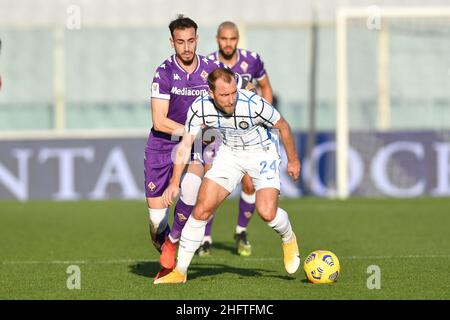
{"x": 251, "y": 87}
{"x": 293, "y": 169}
{"x": 170, "y": 193}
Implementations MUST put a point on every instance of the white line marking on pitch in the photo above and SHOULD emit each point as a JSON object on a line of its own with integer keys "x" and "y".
{"x": 123, "y": 261}
{"x": 79, "y": 261}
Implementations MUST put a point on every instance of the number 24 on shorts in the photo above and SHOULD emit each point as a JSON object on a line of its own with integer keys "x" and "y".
{"x": 265, "y": 170}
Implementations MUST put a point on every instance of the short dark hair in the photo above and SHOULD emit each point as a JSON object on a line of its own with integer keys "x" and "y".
{"x": 227, "y": 24}
{"x": 223, "y": 73}
{"x": 182, "y": 22}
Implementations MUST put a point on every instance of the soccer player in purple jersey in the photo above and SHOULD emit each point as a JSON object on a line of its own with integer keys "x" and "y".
{"x": 250, "y": 66}
{"x": 177, "y": 82}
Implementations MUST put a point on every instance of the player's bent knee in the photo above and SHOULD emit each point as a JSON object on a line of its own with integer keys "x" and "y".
{"x": 266, "y": 213}
{"x": 189, "y": 188}
{"x": 200, "y": 213}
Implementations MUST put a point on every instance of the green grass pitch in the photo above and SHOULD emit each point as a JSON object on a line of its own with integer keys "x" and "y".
{"x": 408, "y": 240}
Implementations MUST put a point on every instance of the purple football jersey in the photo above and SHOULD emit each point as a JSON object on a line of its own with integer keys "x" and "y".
{"x": 249, "y": 64}
{"x": 172, "y": 83}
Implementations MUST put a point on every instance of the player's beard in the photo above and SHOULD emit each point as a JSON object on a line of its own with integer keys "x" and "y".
{"x": 230, "y": 109}
{"x": 227, "y": 56}
{"x": 184, "y": 61}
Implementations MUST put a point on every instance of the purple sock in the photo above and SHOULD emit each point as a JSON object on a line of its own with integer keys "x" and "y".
{"x": 181, "y": 214}
{"x": 245, "y": 212}
{"x": 209, "y": 226}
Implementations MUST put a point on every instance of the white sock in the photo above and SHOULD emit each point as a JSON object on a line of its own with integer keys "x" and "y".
{"x": 282, "y": 226}
{"x": 249, "y": 198}
{"x": 240, "y": 229}
{"x": 207, "y": 239}
{"x": 189, "y": 188}
{"x": 158, "y": 219}
{"x": 172, "y": 239}
{"x": 190, "y": 240}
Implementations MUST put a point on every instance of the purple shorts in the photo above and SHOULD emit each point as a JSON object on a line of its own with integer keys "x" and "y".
{"x": 158, "y": 168}
{"x": 158, "y": 163}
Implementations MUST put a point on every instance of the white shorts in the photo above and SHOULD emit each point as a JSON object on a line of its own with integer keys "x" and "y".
{"x": 229, "y": 166}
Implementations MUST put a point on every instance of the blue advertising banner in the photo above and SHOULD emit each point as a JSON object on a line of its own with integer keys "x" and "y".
{"x": 394, "y": 164}
{"x": 388, "y": 164}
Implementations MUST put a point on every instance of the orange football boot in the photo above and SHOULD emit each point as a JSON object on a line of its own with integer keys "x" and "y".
{"x": 168, "y": 254}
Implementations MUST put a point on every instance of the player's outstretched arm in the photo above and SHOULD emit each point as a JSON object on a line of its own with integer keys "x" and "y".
{"x": 161, "y": 122}
{"x": 266, "y": 89}
{"x": 291, "y": 152}
{"x": 182, "y": 154}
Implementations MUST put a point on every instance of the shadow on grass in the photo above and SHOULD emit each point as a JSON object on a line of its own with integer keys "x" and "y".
{"x": 150, "y": 269}
{"x": 306, "y": 281}
{"x": 147, "y": 269}
{"x": 225, "y": 246}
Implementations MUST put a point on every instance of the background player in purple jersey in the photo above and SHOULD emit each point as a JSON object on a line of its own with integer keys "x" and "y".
{"x": 250, "y": 66}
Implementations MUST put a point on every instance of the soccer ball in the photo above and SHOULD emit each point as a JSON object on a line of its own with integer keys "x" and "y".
{"x": 322, "y": 266}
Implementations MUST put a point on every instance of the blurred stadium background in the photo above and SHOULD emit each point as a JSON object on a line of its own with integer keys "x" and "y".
{"x": 75, "y": 114}
{"x": 365, "y": 86}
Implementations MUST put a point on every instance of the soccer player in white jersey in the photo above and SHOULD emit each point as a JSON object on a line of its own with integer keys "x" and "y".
{"x": 251, "y": 67}
{"x": 177, "y": 82}
{"x": 244, "y": 120}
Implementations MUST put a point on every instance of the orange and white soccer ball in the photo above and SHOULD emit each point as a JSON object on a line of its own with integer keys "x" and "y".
{"x": 322, "y": 266}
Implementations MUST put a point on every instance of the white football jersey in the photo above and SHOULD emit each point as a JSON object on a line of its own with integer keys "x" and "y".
{"x": 248, "y": 128}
